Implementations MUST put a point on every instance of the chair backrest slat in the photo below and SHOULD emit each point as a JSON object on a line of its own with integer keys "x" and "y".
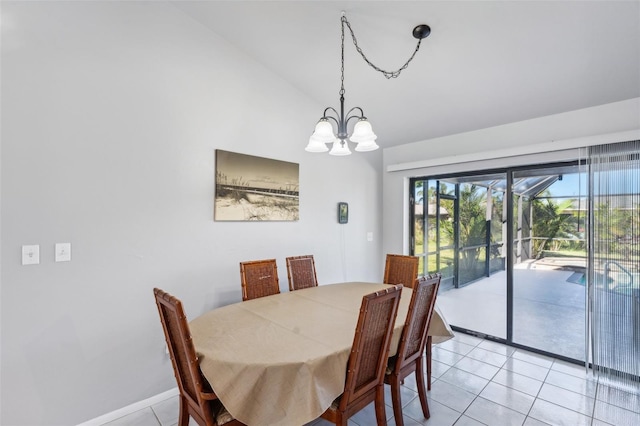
{"x": 400, "y": 269}
{"x": 259, "y": 278}
{"x": 301, "y": 272}
{"x": 370, "y": 350}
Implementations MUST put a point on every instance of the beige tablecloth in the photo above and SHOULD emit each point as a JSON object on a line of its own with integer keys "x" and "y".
{"x": 281, "y": 360}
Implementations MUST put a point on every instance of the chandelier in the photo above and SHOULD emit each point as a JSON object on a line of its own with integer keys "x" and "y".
{"x": 362, "y": 134}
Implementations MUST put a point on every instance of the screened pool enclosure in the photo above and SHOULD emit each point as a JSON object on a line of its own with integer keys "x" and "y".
{"x": 466, "y": 222}
{"x": 544, "y": 257}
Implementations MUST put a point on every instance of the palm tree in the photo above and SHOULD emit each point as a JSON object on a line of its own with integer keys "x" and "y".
{"x": 472, "y": 230}
{"x": 550, "y": 221}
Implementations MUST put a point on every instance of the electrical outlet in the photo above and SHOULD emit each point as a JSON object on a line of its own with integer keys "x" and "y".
{"x": 63, "y": 252}
{"x": 31, "y": 255}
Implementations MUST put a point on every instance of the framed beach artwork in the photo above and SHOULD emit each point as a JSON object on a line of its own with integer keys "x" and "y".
{"x": 250, "y": 188}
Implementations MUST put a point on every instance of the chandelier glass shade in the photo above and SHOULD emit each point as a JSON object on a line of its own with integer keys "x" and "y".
{"x": 323, "y": 134}
{"x": 362, "y": 134}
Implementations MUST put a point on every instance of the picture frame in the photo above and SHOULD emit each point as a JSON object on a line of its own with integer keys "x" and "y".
{"x": 250, "y": 188}
{"x": 343, "y": 212}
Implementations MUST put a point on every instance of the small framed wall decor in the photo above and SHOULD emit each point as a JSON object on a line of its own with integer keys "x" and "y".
{"x": 343, "y": 212}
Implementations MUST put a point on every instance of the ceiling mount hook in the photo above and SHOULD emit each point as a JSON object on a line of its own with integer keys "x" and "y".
{"x": 421, "y": 31}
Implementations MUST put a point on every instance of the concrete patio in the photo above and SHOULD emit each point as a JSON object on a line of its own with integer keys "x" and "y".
{"x": 549, "y": 310}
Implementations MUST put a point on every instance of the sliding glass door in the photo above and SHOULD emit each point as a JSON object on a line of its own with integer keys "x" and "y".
{"x": 550, "y": 259}
{"x": 458, "y": 231}
{"x": 511, "y": 247}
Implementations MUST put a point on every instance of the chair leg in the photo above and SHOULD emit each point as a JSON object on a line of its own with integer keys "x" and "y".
{"x": 422, "y": 392}
{"x": 381, "y": 415}
{"x": 396, "y": 400}
{"x": 429, "y": 362}
{"x": 342, "y": 420}
{"x": 183, "y": 417}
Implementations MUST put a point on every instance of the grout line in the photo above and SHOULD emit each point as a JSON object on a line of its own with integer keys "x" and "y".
{"x": 595, "y": 401}
{"x": 156, "y": 416}
{"x": 535, "y": 398}
{"x": 477, "y": 395}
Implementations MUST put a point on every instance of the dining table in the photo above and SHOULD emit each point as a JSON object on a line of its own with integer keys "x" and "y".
{"x": 281, "y": 360}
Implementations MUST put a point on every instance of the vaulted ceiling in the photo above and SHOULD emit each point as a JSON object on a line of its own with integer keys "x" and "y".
{"x": 485, "y": 63}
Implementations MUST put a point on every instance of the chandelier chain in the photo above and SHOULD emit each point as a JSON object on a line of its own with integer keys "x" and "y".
{"x": 387, "y": 74}
{"x": 342, "y": 61}
{"x": 362, "y": 133}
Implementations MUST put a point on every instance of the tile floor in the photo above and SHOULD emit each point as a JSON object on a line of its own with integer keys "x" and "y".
{"x": 479, "y": 382}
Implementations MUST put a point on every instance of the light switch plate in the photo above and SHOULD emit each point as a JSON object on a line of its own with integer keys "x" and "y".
{"x": 63, "y": 252}
{"x": 369, "y": 236}
{"x": 31, "y": 255}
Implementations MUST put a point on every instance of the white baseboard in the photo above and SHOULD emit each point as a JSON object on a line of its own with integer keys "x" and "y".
{"x": 121, "y": 412}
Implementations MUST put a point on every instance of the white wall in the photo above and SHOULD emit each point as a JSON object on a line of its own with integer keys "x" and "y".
{"x": 111, "y": 112}
{"x": 542, "y": 140}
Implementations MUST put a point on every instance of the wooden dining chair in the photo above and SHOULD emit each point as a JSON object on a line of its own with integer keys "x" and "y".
{"x": 197, "y": 399}
{"x": 259, "y": 278}
{"x": 429, "y": 352}
{"x": 400, "y": 269}
{"x": 368, "y": 360}
{"x": 408, "y": 359}
{"x": 301, "y": 272}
